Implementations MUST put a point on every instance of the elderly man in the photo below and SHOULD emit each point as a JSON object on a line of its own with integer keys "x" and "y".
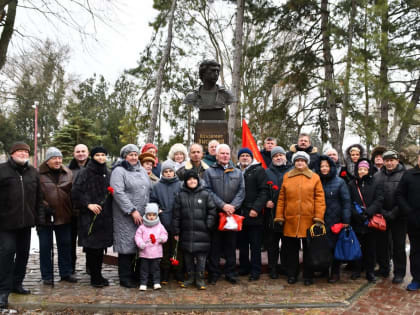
{"x": 55, "y": 216}
{"x": 195, "y": 163}
{"x": 80, "y": 160}
{"x": 408, "y": 198}
{"x": 279, "y": 166}
{"x": 210, "y": 157}
{"x": 226, "y": 185}
{"x": 269, "y": 144}
{"x": 20, "y": 196}
{"x": 304, "y": 144}
{"x": 256, "y": 194}
{"x": 333, "y": 155}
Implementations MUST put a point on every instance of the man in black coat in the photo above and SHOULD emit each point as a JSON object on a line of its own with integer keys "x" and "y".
{"x": 389, "y": 176}
{"x": 304, "y": 144}
{"x": 269, "y": 144}
{"x": 408, "y": 198}
{"x": 256, "y": 190}
{"x": 279, "y": 166}
{"x": 20, "y": 197}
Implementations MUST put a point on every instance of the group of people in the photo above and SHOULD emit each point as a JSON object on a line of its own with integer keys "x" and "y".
{"x": 164, "y": 218}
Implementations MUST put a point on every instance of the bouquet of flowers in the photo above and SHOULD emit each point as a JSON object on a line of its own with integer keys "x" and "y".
{"x": 173, "y": 260}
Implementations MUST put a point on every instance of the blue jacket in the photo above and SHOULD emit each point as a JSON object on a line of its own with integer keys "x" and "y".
{"x": 226, "y": 186}
{"x": 337, "y": 195}
{"x": 163, "y": 193}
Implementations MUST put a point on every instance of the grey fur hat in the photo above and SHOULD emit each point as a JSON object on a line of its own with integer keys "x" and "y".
{"x": 52, "y": 152}
{"x": 125, "y": 150}
{"x": 301, "y": 155}
{"x": 277, "y": 150}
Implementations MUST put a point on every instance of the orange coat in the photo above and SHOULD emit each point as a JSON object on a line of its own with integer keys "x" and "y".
{"x": 301, "y": 202}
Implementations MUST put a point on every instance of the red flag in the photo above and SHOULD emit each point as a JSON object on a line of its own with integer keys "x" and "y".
{"x": 248, "y": 141}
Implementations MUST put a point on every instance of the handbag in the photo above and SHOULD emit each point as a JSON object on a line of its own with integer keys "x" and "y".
{"x": 230, "y": 223}
{"x": 319, "y": 255}
{"x": 377, "y": 221}
{"x": 347, "y": 247}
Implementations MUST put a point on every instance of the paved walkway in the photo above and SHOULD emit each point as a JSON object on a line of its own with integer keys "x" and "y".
{"x": 265, "y": 296}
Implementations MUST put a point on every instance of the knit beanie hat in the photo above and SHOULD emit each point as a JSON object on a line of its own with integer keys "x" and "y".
{"x": 189, "y": 174}
{"x": 19, "y": 146}
{"x": 52, "y": 152}
{"x": 98, "y": 149}
{"x": 301, "y": 155}
{"x": 363, "y": 164}
{"x": 127, "y": 149}
{"x": 245, "y": 150}
{"x": 277, "y": 150}
{"x": 168, "y": 164}
{"x": 151, "y": 208}
{"x": 390, "y": 154}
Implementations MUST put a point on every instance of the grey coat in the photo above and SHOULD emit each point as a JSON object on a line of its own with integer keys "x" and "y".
{"x": 131, "y": 192}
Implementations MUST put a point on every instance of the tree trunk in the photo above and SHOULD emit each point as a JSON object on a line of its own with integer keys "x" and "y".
{"x": 329, "y": 77}
{"x": 7, "y": 32}
{"x": 236, "y": 76}
{"x": 383, "y": 76}
{"x": 408, "y": 117}
{"x": 367, "y": 128}
{"x": 346, "y": 96}
{"x": 159, "y": 76}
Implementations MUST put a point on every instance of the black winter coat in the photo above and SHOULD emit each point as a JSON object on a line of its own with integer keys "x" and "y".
{"x": 408, "y": 197}
{"x": 91, "y": 187}
{"x": 312, "y": 151}
{"x": 390, "y": 180}
{"x": 20, "y": 196}
{"x": 256, "y": 194}
{"x": 337, "y": 198}
{"x": 373, "y": 196}
{"x": 194, "y": 218}
{"x": 163, "y": 193}
{"x": 266, "y": 155}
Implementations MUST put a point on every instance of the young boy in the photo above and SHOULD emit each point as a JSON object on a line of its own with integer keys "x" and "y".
{"x": 163, "y": 193}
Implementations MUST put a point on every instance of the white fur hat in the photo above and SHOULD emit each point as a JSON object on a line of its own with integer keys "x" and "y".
{"x": 177, "y": 147}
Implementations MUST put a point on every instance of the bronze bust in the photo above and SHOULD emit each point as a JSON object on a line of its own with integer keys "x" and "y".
{"x": 210, "y": 98}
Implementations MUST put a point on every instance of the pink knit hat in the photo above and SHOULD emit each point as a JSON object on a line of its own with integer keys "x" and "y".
{"x": 364, "y": 164}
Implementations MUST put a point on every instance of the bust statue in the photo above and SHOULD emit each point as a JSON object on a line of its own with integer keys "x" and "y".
{"x": 210, "y": 98}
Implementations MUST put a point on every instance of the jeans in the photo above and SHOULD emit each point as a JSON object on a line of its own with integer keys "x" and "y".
{"x": 149, "y": 267}
{"x": 222, "y": 242}
{"x": 14, "y": 254}
{"x": 195, "y": 262}
{"x": 250, "y": 238}
{"x": 63, "y": 238}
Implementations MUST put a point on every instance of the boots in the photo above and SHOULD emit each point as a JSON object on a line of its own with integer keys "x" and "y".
{"x": 4, "y": 300}
{"x": 201, "y": 285}
{"x": 189, "y": 281}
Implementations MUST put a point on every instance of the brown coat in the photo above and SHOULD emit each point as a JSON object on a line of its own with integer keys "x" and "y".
{"x": 301, "y": 202}
{"x": 57, "y": 195}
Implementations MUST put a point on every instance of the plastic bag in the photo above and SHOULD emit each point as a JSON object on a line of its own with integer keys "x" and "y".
{"x": 230, "y": 223}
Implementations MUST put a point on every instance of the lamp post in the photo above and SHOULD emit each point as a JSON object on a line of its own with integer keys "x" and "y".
{"x": 35, "y": 106}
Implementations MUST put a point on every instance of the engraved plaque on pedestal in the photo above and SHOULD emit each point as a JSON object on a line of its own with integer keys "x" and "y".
{"x": 207, "y": 130}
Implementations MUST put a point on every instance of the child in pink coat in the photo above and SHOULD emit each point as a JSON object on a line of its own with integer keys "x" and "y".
{"x": 149, "y": 238}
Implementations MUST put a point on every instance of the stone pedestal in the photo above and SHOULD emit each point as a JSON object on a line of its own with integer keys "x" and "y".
{"x": 207, "y": 130}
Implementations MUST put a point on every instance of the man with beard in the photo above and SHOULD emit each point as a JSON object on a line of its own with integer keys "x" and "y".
{"x": 250, "y": 238}
{"x": 20, "y": 197}
{"x": 304, "y": 144}
{"x": 279, "y": 166}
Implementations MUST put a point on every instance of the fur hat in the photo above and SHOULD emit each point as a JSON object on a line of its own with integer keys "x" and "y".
{"x": 301, "y": 155}
{"x": 52, "y": 152}
{"x": 245, "y": 150}
{"x": 127, "y": 149}
{"x": 19, "y": 146}
{"x": 147, "y": 157}
{"x": 177, "y": 147}
{"x": 277, "y": 150}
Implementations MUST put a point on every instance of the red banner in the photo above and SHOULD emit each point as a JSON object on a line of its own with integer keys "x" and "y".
{"x": 248, "y": 141}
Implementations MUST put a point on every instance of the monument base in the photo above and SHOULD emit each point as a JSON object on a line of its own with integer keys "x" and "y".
{"x": 207, "y": 130}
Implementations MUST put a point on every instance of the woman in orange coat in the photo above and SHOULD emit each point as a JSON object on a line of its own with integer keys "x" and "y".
{"x": 301, "y": 203}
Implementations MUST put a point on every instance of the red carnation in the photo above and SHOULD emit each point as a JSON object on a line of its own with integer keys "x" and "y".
{"x": 270, "y": 182}
{"x": 275, "y": 187}
{"x": 174, "y": 262}
{"x": 343, "y": 174}
{"x": 110, "y": 190}
{"x": 153, "y": 238}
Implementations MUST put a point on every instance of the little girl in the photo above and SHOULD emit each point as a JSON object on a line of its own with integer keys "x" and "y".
{"x": 149, "y": 238}
{"x": 193, "y": 219}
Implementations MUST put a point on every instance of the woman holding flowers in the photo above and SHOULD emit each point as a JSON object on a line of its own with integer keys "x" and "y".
{"x": 92, "y": 194}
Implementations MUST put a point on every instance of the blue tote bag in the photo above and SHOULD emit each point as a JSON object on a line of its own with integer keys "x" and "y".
{"x": 347, "y": 247}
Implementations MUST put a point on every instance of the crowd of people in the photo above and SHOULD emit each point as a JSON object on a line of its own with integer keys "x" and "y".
{"x": 171, "y": 218}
